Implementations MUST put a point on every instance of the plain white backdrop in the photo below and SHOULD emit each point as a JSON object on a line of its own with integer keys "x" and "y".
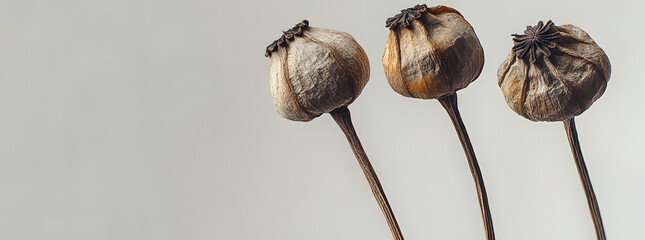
{"x": 147, "y": 119}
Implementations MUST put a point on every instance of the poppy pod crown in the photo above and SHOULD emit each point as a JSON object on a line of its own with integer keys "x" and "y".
{"x": 431, "y": 52}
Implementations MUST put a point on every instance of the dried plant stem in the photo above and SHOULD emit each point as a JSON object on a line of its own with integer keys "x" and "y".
{"x": 572, "y": 135}
{"x": 344, "y": 121}
{"x": 449, "y": 102}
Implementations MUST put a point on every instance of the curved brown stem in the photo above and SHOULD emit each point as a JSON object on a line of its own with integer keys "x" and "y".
{"x": 344, "y": 121}
{"x": 572, "y": 135}
{"x": 449, "y": 102}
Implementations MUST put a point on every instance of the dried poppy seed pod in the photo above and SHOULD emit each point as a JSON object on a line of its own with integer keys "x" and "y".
{"x": 431, "y": 52}
{"x": 314, "y": 71}
{"x": 553, "y": 73}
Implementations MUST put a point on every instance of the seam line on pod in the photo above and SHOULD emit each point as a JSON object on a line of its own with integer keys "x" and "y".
{"x": 443, "y": 9}
{"x": 442, "y": 68}
{"x": 341, "y": 62}
{"x": 525, "y": 89}
{"x": 404, "y": 81}
{"x": 508, "y": 69}
{"x": 567, "y": 86}
{"x": 434, "y": 17}
{"x": 565, "y": 33}
{"x": 573, "y": 54}
{"x": 292, "y": 94}
{"x": 428, "y": 90}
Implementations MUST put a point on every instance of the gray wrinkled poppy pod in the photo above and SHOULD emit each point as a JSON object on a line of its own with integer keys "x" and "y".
{"x": 430, "y": 54}
{"x": 316, "y": 71}
{"x": 554, "y": 73}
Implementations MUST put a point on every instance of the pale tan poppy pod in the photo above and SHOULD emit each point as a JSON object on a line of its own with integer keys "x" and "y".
{"x": 553, "y": 73}
{"x": 314, "y": 71}
{"x": 431, "y": 52}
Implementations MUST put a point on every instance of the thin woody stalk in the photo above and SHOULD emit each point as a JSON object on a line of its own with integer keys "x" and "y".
{"x": 572, "y": 135}
{"x": 343, "y": 119}
{"x": 449, "y": 102}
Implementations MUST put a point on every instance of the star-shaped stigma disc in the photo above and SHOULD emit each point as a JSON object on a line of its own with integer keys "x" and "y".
{"x": 405, "y": 18}
{"x": 287, "y": 36}
{"x": 536, "y": 41}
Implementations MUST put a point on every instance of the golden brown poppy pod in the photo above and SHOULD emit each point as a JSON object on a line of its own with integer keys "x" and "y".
{"x": 553, "y": 73}
{"x": 314, "y": 71}
{"x": 431, "y": 52}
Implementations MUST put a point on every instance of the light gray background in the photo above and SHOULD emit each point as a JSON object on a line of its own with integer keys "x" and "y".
{"x": 146, "y": 119}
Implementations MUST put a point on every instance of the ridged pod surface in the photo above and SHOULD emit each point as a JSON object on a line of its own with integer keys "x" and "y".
{"x": 431, "y": 52}
{"x": 314, "y": 71}
{"x": 553, "y": 73}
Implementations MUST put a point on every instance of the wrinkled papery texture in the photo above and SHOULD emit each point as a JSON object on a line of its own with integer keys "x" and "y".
{"x": 560, "y": 86}
{"x": 317, "y": 72}
{"x": 438, "y": 54}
